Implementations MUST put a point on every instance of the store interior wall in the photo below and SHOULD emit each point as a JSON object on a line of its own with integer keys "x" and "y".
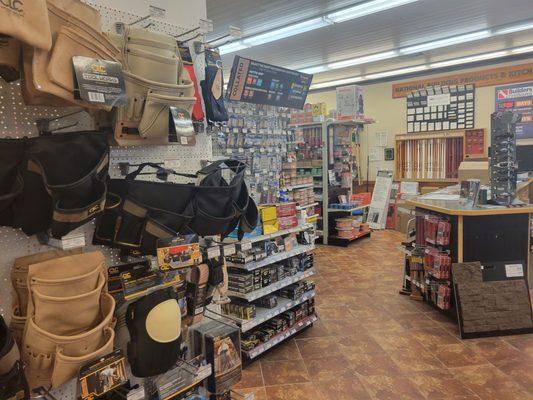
{"x": 391, "y": 115}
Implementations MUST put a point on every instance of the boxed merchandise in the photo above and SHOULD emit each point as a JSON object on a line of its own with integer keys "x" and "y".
{"x": 292, "y": 292}
{"x": 240, "y": 258}
{"x": 268, "y": 213}
{"x": 286, "y": 210}
{"x": 269, "y": 301}
{"x": 270, "y": 226}
{"x": 287, "y": 222}
{"x": 239, "y": 308}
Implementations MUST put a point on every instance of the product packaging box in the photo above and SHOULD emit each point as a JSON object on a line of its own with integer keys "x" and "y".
{"x": 404, "y": 213}
{"x": 474, "y": 170}
{"x": 350, "y": 102}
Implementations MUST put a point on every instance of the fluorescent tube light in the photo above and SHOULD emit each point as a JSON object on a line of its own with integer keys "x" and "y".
{"x": 465, "y": 60}
{"x": 520, "y": 50}
{"x": 363, "y": 60}
{"x": 446, "y": 42}
{"x": 336, "y": 83}
{"x": 366, "y": 8}
{"x": 286, "y": 31}
{"x": 396, "y": 72}
{"x": 514, "y": 28}
{"x": 232, "y": 47}
{"x": 314, "y": 70}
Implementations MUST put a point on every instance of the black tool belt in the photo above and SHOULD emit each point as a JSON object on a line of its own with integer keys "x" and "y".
{"x": 13, "y": 383}
{"x": 55, "y": 182}
{"x": 139, "y": 213}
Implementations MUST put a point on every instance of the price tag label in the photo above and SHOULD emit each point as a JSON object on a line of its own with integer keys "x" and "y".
{"x": 241, "y": 150}
{"x": 229, "y": 249}
{"x": 246, "y": 246}
{"x": 213, "y": 252}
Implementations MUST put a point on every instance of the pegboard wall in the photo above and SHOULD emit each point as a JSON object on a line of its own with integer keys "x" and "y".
{"x": 18, "y": 120}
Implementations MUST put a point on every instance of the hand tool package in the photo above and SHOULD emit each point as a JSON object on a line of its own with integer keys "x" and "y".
{"x": 53, "y": 182}
{"x": 138, "y": 213}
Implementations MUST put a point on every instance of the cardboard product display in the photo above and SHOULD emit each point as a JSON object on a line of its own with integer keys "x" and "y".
{"x": 474, "y": 170}
{"x": 492, "y": 299}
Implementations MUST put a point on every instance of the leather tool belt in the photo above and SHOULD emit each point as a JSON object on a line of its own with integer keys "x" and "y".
{"x": 9, "y": 58}
{"x": 138, "y": 213}
{"x": 69, "y": 317}
{"x": 13, "y": 383}
{"x": 56, "y": 182}
{"x": 27, "y": 21}
{"x": 155, "y": 81}
{"x": 48, "y": 73}
{"x": 154, "y": 325}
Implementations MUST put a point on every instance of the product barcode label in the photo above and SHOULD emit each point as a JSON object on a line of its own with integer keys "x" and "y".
{"x": 96, "y": 97}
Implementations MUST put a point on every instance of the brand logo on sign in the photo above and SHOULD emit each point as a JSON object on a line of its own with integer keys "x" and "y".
{"x": 97, "y": 69}
{"x": 16, "y": 6}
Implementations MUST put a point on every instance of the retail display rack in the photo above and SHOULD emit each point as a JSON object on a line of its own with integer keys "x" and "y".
{"x": 272, "y": 299}
{"x": 341, "y": 167}
{"x": 436, "y": 156}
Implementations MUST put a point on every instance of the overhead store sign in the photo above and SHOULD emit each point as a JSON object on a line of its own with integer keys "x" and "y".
{"x": 518, "y": 98}
{"x": 481, "y": 78}
{"x": 260, "y": 83}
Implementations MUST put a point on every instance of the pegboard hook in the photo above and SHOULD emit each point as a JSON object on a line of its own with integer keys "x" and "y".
{"x": 43, "y": 124}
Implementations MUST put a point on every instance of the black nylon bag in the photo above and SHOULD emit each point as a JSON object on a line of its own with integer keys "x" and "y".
{"x": 11, "y": 183}
{"x": 146, "y": 356}
{"x": 13, "y": 384}
{"x": 64, "y": 182}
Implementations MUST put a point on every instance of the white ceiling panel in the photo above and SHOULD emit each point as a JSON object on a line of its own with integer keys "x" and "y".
{"x": 414, "y": 23}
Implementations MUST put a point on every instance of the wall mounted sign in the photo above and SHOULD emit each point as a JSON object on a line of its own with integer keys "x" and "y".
{"x": 519, "y": 99}
{"x": 441, "y": 108}
{"x": 481, "y": 78}
{"x": 260, "y": 83}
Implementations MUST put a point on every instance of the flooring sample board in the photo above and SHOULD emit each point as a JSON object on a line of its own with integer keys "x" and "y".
{"x": 492, "y": 299}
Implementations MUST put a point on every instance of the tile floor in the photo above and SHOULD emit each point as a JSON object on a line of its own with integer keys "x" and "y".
{"x": 373, "y": 344}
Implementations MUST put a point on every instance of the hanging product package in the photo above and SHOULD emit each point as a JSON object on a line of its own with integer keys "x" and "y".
{"x": 154, "y": 325}
{"x": 139, "y": 213}
{"x": 197, "y": 110}
{"x": 155, "y": 83}
{"x": 56, "y": 182}
{"x": 212, "y": 88}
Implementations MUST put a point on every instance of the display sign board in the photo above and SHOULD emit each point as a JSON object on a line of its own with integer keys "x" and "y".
{"x": 518, "y": 98}
{"x": 441, "y": 108}
{"x": 480, "y": 78}
{"x": 260, "y": 83}
{"x": 379, "y": 205}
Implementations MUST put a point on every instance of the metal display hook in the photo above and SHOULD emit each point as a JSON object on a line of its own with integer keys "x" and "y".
{"x": 43, "y": 124}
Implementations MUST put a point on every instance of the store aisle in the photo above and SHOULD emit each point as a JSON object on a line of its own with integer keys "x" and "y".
{"x": 372, "y": 343}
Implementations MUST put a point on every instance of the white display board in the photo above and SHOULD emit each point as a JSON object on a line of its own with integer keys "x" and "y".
{"x": 377, "y": 214}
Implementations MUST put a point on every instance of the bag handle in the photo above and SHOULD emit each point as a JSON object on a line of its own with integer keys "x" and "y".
{"x": 234, "y": 165}
{"x": 161, "y": 173}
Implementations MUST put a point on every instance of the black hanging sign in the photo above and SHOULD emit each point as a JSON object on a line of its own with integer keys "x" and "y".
{"x": 260, "y": 83}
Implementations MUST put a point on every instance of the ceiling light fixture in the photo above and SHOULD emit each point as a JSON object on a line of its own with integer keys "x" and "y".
{"x": 363, "y": 60}
{"x": 520, "y": 50}
{"x": 469, "y": 37}
{"x": 440, "y": 64}
{"x": 394, "y": 72}
{"x": 286, "y": 31}
{"x": 314, "y": 70}
{"x": 465, "y": 60}
{"x": 514, "y": 28}
{"x": 232, "y": 47}
{"x": 336, "y": 82}
{"x": 366, "y": 8}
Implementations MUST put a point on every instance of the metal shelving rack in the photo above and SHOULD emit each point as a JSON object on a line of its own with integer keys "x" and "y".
{"x": 328, "y": 140}
{"x": 265, "y": 314}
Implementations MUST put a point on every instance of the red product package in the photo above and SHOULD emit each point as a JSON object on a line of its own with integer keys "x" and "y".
{"x": 443, "y": 233}
{"x": 197, "y": 111}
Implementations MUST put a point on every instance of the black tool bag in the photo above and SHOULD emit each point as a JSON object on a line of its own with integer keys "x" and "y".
{"x": 212, "y": 91}
{"x": 139, "y": 213}
{"x": 56, "y": 182}
{"x": 152, "y": 354}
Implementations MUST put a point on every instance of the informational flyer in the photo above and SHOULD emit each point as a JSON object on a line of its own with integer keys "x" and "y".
{"x": 518, "y": 98}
